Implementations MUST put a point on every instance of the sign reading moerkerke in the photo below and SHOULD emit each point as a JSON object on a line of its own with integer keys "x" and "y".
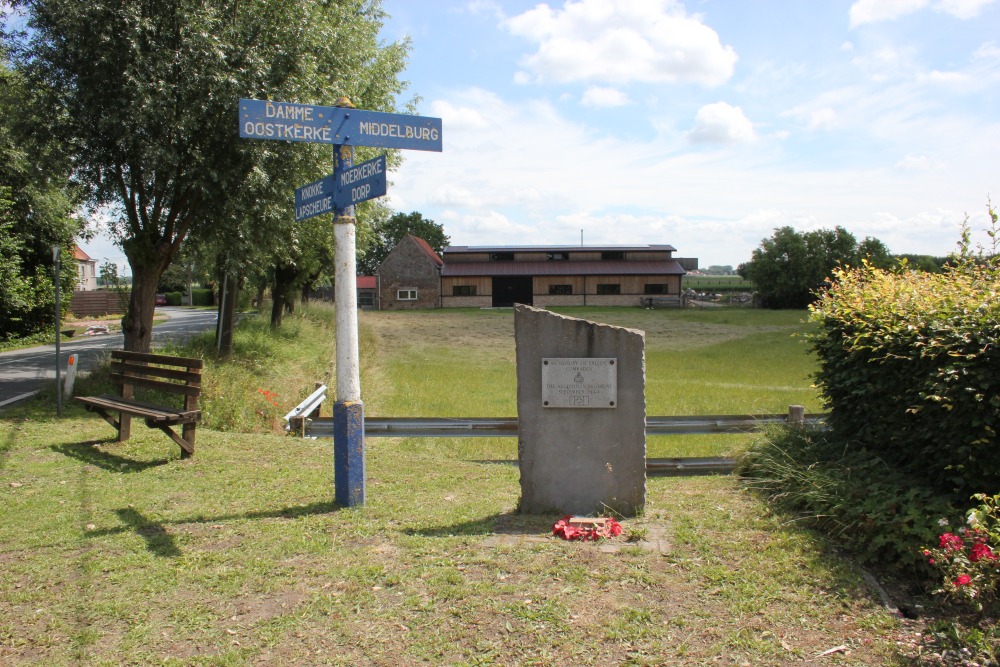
{"x": 263, "y": 119}
{"x": 351, "y": 186}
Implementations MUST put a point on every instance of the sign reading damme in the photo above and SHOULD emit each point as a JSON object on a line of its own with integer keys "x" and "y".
{"x": 579, "y": 383}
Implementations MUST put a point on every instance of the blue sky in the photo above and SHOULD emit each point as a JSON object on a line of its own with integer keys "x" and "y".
{"x": 702, "y": 124}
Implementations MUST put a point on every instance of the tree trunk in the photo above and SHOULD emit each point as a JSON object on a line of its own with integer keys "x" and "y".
{"x": 305, "y": 295}
{"x": 137, "y": 324}
{"x": 227, "y": 316}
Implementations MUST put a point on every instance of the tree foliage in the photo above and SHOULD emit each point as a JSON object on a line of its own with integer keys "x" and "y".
{"x": 790, "y": 267}
{"x": 36, "y": 213}
{"x": 387, "y": 233}
{"x": 147, "y": 93}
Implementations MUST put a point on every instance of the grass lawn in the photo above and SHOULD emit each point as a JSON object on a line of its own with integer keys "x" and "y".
{"x": 124, "y": 554}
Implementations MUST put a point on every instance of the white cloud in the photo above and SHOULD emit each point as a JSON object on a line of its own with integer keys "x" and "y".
{"x": 600, "y": 96}
{"x": 721, "y": 123}
{"x": 618, "y": 41}
{"x": 914, "y": 162}
{"x": 963, "y": 9}
{"x": 873, "y": 11}
{"x": 988, "y": 51}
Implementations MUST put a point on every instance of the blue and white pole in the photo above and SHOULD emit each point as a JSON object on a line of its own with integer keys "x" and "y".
{"x": 348, "y": 410}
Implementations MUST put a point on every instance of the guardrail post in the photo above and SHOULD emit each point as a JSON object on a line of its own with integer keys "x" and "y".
{"x": 797, "y": 415}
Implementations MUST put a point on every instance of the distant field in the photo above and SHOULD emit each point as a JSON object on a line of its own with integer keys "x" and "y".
{"x": 719, "y": 283}
{"x": 460, "y": 363}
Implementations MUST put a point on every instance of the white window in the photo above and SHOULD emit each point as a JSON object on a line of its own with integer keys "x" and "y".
{"x": 406, "y": 295}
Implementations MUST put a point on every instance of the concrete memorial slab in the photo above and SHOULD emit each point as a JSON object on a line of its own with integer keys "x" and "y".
{"x": 581, "y": 404}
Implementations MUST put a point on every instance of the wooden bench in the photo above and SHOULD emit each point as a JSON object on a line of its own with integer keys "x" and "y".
{"x": 161, "y": 373}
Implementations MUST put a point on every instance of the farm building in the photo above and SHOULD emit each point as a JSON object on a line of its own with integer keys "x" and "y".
{"x": 499, "y": 276}
{"x": 414, "y": 276}
{"x": 409, "y": 277}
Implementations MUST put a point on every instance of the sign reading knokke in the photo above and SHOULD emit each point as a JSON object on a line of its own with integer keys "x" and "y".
{"x": 288, "y": 121}
{"x": 347, "y": 188}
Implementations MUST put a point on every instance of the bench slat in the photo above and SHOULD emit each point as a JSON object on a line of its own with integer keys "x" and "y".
{"x": 170, "y": 373}
{"x": 156, "y": 413}
{"x": 188, "y": 362}
{"x": 170, "y": 387}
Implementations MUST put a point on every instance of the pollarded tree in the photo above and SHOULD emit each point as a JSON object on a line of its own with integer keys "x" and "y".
{"x": 146, "y": 94}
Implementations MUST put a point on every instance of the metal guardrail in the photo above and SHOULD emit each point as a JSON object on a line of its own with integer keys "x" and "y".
{"x": 494, "y": 427}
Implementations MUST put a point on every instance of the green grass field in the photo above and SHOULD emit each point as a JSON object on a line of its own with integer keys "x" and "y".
{"x": 459, "y": 363}
{"x": 122, "y": 553}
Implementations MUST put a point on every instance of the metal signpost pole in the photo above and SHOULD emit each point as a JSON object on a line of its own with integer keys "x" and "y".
{"x": 348, "y": 411}
{"x": 55, "y": 258}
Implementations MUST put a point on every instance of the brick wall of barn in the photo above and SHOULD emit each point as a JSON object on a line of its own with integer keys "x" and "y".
{"x": 408, "y": 268}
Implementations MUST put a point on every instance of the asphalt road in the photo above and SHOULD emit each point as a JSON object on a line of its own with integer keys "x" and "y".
{"x": 23, "y": 372}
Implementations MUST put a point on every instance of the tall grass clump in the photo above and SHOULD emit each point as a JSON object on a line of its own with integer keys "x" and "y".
{"x": 868, "y": 507}
{"x": 908, "y": 373}
{"x": 269, "y": 371}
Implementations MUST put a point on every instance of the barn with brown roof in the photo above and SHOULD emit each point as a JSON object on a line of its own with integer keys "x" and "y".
{"x": 499, "y": 276}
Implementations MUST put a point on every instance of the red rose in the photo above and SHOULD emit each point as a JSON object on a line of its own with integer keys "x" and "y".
{"x": 980, "y": 551}
{"x": 963, "y": 580}
{"x": 952, "y": 542}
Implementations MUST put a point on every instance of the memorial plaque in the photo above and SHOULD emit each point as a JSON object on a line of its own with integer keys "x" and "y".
{"x": 579, "y": 383}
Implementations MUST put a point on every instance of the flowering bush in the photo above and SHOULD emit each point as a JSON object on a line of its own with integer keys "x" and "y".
{"x": 967, "y": 557}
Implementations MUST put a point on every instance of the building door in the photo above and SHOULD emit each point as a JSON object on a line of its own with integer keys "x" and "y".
{"x": 508, "y": 290}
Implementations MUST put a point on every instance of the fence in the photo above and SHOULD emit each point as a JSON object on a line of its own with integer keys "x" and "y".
{"x": 97, "y": 303}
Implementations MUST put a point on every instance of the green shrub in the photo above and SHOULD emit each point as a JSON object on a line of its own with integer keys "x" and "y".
{"x": 870, "y": 508}
{"x": 174, "y": 298}
{"x": 202, "y": 297}
{"x": 909, "y": 366}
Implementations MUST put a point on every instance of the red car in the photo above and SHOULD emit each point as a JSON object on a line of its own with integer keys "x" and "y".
{"x": 161, "y": 299}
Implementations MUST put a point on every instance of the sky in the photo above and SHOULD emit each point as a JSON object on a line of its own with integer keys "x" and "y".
{"x": 704, "y": 124}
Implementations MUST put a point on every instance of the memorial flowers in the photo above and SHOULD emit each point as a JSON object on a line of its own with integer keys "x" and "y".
{"x": 584, "y": 528}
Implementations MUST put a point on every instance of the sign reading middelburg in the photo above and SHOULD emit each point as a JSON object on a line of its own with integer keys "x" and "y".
{"x": 288, "y": 121}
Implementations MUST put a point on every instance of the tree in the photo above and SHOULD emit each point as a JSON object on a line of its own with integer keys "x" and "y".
{"x": 147, "y": 93}
{"x": 36, "y": 213}
{"x": 387, "y": 233}
{"x": 788, "y": 268}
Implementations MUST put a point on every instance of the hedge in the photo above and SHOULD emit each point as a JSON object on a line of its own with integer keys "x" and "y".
{"x": 910, "y": 368}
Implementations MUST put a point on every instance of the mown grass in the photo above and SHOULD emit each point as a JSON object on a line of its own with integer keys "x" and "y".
{"x": 698, "y": 362}
{"x": 125, "y": 554}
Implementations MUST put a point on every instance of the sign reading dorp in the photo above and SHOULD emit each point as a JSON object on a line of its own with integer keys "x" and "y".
{"x": 288, "y": 121}
{"x": 360, "y": 183}
{"x": 579, "y": 383}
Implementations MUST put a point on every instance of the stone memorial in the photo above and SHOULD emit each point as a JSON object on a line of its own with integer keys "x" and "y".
{"x": 581, "y": 406}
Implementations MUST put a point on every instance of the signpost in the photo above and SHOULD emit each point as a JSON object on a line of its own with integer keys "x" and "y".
{"x": 344, "y": 127}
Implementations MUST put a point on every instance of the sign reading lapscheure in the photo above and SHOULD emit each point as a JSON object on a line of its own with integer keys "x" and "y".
{"x": 314, "y": 199}
{"x": 288, "y": 121}
{"x": 579, "y": 383}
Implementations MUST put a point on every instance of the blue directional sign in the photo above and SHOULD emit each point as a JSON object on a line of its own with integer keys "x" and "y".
{"x": 314, "y": 199}
{"x": 264, "y": 119}
{"x": 360, "y": 183}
